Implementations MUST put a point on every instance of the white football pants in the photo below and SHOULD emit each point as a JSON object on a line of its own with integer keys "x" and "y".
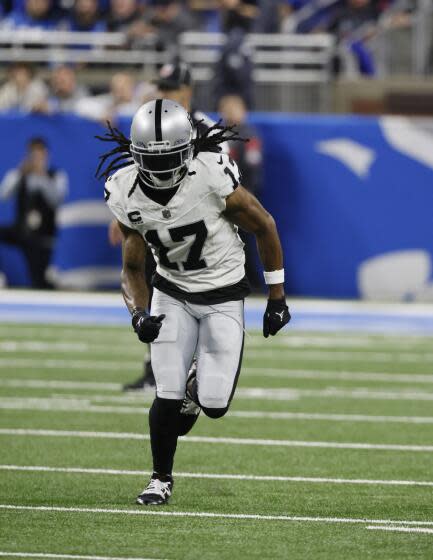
{"x": 214, "y": 333}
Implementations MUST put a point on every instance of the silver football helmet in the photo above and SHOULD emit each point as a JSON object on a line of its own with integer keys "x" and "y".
{"x": 161, "y": 143}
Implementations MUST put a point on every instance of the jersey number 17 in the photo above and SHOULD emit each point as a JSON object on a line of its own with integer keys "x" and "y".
{"x": 193, "y": 261}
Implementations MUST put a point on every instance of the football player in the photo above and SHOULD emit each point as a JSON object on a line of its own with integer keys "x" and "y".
{"x": 175, "y": 83}
{"x": 182, "y": 198}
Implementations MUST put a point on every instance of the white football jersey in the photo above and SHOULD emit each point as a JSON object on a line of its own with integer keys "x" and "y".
{"x": 195, "y": 246}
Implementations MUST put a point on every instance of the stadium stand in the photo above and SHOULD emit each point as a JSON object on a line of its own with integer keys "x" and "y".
{"x": 98, "y": 60}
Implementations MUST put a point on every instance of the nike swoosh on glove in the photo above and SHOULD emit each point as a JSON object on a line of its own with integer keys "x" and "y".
{"x": 276, "y": 316}
{"x": 147, "y": 326}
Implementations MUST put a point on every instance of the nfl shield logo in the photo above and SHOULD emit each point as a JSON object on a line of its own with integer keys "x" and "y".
{"x": 166, "y": 214}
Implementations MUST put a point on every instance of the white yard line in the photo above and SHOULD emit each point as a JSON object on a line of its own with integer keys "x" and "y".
{"x": 294, "y": 338}
{"x": 60, "y": 384}
{"x": 220, "y": 440}
{"x": 309, "y": 340}
{"x": 401, "y": 529}
{"x": 282, "y": 373}
{"x": 358, "y": 393}
{"x": 67, "y": 405}
{"x": 32, "y": 363}
{"x": 212, "y": 515}
{"x": 82, "y": 347}
{"x": 45, "y": 346}
{"x": 219, "y": 476}
{"x": 247, "y": 371}
{"x": 337, "y": 355}
{"x": 84, "y": 405}
{"x": 67, "y": 556}
{"x": 249, "y": 393}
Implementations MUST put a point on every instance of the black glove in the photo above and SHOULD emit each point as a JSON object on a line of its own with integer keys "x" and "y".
{"x": 146, "y": 326}
{"x": 276, "y": 316}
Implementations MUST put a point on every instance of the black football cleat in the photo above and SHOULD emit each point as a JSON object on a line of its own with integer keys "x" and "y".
{"x": 145, "y": 381}
{"x": 189, "y": 404}
{"x": 157, "y": 492}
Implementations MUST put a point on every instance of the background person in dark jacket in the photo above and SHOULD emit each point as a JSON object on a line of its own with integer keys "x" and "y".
{"x": 248, "y": 156}
{"x": 39, "y": 189}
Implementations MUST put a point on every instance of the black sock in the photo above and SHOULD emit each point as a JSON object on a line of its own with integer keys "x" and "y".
{"x": 164, "y": 416}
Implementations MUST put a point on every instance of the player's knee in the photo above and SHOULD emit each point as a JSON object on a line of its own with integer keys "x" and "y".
{"x": 215, "y": 412}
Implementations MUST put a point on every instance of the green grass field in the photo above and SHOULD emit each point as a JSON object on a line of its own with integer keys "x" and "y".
{"x": 327, "y": 452}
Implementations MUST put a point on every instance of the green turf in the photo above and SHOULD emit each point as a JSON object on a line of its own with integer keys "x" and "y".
{"x": 27, "y": 354}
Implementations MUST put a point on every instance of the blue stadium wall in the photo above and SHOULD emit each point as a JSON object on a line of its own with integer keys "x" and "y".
{"x": 352, "y": 197}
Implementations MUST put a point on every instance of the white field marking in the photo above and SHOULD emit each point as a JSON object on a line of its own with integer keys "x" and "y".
{"x": 282, "y": 373}
{"x": 359, "y": 393}
{"x": 83, "y": 347}
{"x": 15, "y": 346}
{"x": 83, "y": 405}
{"x": 68, "y": 556}
{"x": 76, "y": 347}
{"x": 293, "y": 337}
{"x": 54, "y": 384}
{"x": 306, "y": 340}
{"x": 122, "y": 366}
{"x": 67, "y": 405}
{"x": 212, "y": 515}
{"x": 336, "y": 355}
{"x": 26, "y": 363}
{"x": 218, "y": 440}
{"x": 401, "y": 529}
{"x": 219, "y": 476}
{"x": 103, "y": 299}
{"x": 83, "y": 333}
{"x": 43, "y": 346}
{"x": 249, "y": 393}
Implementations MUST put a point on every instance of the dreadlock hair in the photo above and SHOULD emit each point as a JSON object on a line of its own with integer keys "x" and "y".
{"x": 212, "y": 138}
{"x": 123, "y": 148}
{"x": 208, "y": 141}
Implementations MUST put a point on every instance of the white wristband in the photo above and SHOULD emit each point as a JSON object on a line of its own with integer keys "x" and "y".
{"x": 274, "y": 277}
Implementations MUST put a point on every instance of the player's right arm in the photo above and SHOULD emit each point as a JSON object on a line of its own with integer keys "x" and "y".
{"x": 134, "y": 287}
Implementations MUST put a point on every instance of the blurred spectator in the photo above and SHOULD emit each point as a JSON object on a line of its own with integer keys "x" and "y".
{"x": 22, "y": 90}
{"x": 130, "y": 17}
{"x": 39, "y": 190}
{"x": 121, "y": 100}
{"x": 233, "y": 71}
{"x": 170, "y": 18}
{"x": 353, "y": 23}
{"x": 65, "y": 92}
{"x": 248, "y": 156}
{"x": 175, "y": 83}
{"x": 123, "y": 14}
{"x": 268, "y": 19}
{"x": 206, "y": 13}
{"x": 238, "y": 14}
{"x": 351, "y": 14}
{"x": 7, "y": 6}
{"x": 307, "y": 16}
{"x": 85, "y": 16}
{"x": 37, "y": 14}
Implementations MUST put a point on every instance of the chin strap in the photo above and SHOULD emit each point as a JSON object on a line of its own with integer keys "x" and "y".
{"x": 147, "y": 177}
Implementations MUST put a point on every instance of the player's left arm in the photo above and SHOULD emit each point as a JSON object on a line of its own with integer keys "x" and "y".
{"x": 244, "y": 210}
